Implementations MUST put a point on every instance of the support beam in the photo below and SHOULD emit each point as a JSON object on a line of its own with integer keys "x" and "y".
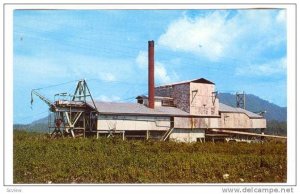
{"x": 72, "y": 132}
{"x": 84, "y": 126}
{"x": 68, "y": 119}
{"x": 76, "y": 118}
{"x": 247, "y": 133}
{"x": 167, "y": 134}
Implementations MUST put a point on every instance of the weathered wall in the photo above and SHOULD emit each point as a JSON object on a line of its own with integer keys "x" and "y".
{"x": 194, "y": 98}
{"x": 191, "y": 123}
{"x": 202, "y": 99}
{"x": 187, "y": 135}
{"x": 118, "y": 122}
{"x": 180, "y": 93}
{"x": 165, "y": 91}
{"x": 234, "y": 120}
{"x": 157, "y": 103}
{"x": 259, "y": 123}
{"x": 226, "y": 121}
{"x": 240, "y": 121}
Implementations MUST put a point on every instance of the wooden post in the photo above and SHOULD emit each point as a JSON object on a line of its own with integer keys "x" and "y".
{"x": 262, "y": 132}
{"x": 72, "y": 132}
{"x": 84, "y": 124}
{"x": 147, "y": 134}
{"x": 261, "y": 148}
{"x": 123, "y": 135}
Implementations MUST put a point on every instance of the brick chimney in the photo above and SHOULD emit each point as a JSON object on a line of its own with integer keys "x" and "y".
{"x": 151, "y": 74}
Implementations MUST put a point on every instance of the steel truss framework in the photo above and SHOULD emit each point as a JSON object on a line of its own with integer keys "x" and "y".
{"x": 71, "y": 117}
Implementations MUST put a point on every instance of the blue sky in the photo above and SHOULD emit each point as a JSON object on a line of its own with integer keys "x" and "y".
{"x": 239, "y": 50}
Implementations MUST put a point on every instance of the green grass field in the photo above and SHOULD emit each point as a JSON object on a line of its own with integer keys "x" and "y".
{"x": 39, "y": 159}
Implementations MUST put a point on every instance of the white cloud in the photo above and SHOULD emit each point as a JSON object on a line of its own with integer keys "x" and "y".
{"x": 108, "y": 77}
{"x": 219, "y": 35}
{"x": 141, "y": 59}
{"x": 202, "y": 36}
{"x": 108, "y": 98}
{"x": 281, "y": 16}
{"x": 161, "y": 73}
{"x": 269, "y": 68}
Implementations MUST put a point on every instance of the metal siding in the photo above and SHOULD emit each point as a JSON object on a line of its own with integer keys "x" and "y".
{"x": 240, "y": 121}
{"x": 202, "y": 101}
{"x": 259, "y": 123}
{"x": 109, "y": 122}
{"x": 227, "y": 120}
{"x": 187, "y": 135}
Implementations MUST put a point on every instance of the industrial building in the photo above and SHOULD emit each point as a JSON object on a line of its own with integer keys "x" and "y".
{"x": 187, "y": 111}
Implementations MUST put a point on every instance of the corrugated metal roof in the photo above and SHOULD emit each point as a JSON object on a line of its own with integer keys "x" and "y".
{"x": 155, "y": 97}
{"x": 226, "y": 108}
{"x": 137, "y": 109}
{"x": 199, "y": 80}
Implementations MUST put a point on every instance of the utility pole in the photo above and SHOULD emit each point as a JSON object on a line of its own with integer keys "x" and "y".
{"x": 241, "y": 100}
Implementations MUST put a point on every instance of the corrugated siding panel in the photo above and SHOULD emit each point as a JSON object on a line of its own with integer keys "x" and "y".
{"x": 108, "y": 122}
{"x": 202, "y": 100}
{"x": 187, "y": 135}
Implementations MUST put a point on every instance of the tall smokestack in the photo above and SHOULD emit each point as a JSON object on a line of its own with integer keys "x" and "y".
{"x": 151, "y": 74}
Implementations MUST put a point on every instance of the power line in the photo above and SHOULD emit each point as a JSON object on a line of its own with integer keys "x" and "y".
{"x": 51, "y": 86}
{"x": 116, "y": 82}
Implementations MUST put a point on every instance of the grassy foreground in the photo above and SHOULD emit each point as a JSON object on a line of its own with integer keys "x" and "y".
{"x": 38, "y": 159}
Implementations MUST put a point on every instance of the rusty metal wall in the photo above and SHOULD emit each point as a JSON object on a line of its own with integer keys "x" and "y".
{"x": 226, "y": 121}
{"x": 190, "y": 123}
{"x": 202, "y": 99}
{"x": 240, "y": 121}
{"x": 194, "y": 98}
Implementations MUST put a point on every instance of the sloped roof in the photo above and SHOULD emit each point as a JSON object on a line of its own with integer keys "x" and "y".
{"x": 199, "y": 80}
{"x": 202, "y": 80}
{"x": 137, "y": 109}
{"x": 155, "y": 97}
{"x": 226, "y": 108}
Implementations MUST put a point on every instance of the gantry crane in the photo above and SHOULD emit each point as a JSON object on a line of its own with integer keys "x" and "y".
{"x": 75, "y": 116}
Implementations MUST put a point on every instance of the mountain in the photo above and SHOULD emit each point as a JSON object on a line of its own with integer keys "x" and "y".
{"x": 256, "y": 104}
{"x": 40, "y": 121}
{"x": 40, "y": 125}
